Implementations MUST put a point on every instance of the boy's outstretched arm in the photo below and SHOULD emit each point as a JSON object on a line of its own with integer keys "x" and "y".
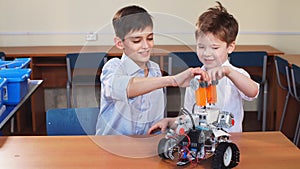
{"x": 138, "y": 86}
{"x": 245, "y": 84}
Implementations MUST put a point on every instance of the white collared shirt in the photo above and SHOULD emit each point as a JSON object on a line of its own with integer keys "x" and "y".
{"x": 120, "y": 115}
{"x": 229, "y": 98}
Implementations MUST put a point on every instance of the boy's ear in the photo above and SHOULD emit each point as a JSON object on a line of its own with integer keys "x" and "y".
{"x": 118, "y": 43}
{"x": 231, "y": 47}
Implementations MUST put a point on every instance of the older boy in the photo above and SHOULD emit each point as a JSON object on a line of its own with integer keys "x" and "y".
{"x": 215, "y": 37}
{"x": 132, "y": 96}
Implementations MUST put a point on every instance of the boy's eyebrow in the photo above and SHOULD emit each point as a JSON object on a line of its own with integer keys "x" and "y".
{"x": 215, "y": 44}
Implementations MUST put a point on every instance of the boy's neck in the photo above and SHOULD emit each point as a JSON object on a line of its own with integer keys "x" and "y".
{"x": 146, "y": 71}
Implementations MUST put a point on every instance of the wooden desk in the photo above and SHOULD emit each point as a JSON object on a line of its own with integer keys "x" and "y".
{"x": 61, "y": 51}
{"x": 292, "y": 59}
{"x": 48, "y": 63}
{"x": 293, "y": 105}
{"x": 267, "y": 150}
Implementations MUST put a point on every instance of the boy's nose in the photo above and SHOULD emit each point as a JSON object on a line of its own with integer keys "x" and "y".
{"x": 145, "y": 44}
{"x": 207, "y": 52}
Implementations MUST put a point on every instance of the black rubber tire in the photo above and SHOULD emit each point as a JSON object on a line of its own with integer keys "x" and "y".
{"x": 162, "y": 148}
{"x": 218, "y": 159}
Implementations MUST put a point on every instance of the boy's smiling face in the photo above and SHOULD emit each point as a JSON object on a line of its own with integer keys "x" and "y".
{"x": 211, "y": 51}
{"x": 137, "y": 45}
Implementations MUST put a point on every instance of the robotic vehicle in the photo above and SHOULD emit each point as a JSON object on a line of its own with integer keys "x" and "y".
{"x": 200, "y": 135}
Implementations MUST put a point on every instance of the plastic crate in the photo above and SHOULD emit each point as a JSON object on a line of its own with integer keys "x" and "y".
{"x": 25, "y": 62}
{"x": 3, "y": 89}
{"x": 17, "y": 85}
{"x": 2, "y": 110}
{"x": 17, "y": 63}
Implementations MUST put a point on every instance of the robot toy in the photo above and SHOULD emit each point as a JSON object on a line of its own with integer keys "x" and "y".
{"x": 200, "y": 134}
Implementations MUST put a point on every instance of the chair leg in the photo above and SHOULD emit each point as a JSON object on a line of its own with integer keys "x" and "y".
{"x": 259, "y": 106}
{"x": 170, "y": 65}
{"x": 297, "y": 131}
{"x": 265, "y": 106}
{"x": 74, "y": 96}
{"x": 68, "y": 96}
{"x": 284, "y": 110}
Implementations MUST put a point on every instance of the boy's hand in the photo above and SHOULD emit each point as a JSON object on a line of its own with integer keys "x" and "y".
{"x": 183, "y": 79}
{"x": 163, "y": 125}
{"x": 218, "y": 73}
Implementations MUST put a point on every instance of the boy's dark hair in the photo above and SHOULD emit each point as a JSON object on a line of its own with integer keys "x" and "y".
{"x": 218, "y": 22}
{"x": 131, "y": 18}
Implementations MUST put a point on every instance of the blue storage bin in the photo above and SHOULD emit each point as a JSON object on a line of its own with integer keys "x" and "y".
{"x": 24, "y": 62}
{"x": 17, "y": 84}
{"x": 2, "y": 110}
{"x": 19, "y": 63}
{"x": 4, "y": 64}
{"x": 3, "y": 89}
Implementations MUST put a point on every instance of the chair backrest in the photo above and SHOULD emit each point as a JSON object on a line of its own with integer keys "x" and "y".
{"x": 72, "y": 121}
{"x": 183, "y": 60}
{"x": 282, "y": 68}
{"x": 250, "y": 59}
{"x": 93, "y": 61}
{"x": 87, "y": 60}
{"x": 295, "y": 71}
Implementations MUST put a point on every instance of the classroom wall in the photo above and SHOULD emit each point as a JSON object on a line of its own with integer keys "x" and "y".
{"x": 68, "y": 22}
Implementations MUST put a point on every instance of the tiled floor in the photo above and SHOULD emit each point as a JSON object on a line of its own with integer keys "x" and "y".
{"x": 86, "y": 97}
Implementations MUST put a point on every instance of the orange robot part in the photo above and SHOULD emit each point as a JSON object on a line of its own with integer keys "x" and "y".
{"x": 206, "y": 94}
{"x": 201, "y": 97}
{"x": 211, "y": 94}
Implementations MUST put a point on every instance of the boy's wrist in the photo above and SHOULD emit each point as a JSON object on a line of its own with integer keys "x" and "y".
{"x": 228, "y": 71}
{"x": 170, "y": 81}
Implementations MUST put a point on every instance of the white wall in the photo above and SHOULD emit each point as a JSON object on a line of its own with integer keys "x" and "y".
{"x": 66, "y": 22}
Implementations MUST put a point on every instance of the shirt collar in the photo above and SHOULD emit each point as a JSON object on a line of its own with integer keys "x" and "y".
{"x": 226, "y": 63}
{"x": 130, "y": 65}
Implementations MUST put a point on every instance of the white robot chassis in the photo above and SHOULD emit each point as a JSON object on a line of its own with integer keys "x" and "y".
{"x": 200, "y": 135}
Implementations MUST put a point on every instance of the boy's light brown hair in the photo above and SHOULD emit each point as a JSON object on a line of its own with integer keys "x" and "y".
{"x": 218, "y": 22}
{"x": 130, "y": 19}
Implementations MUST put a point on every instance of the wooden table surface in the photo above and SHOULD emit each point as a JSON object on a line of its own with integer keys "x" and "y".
{"x": 48, "y": 51}
{"x": 292, "y": 59}
{"x": 267, "y": 150}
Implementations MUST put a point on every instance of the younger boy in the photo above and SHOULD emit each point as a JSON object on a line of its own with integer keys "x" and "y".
{"x": 215, "y": 37}
{"x": 132, "y": 96}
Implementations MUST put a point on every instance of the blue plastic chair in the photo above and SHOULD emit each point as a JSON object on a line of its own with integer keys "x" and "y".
{"x": 83, "y": 69}
{"x": 179, "y": 61}
{"x": 72, "y": 121}
{"x": 255, "y": 59}
{"x": 295, "y": 73}
{"x": 282, "y": 69}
